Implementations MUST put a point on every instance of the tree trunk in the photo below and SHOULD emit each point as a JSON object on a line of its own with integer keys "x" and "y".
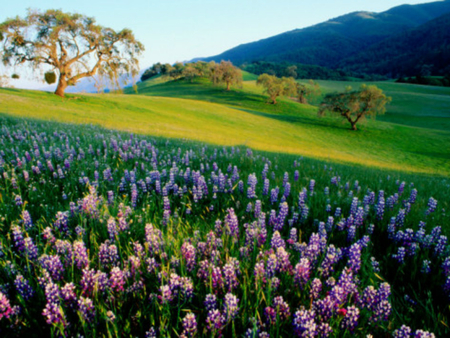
{"x": 228, "y": 85}
{"x": 353, "y": 125}
{"x": 62, "y": 85}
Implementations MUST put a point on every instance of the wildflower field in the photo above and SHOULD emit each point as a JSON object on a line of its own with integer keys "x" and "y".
{"x": 104, "y": 233}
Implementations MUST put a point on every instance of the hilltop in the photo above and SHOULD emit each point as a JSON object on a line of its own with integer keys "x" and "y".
{"x": 335, "y": 43}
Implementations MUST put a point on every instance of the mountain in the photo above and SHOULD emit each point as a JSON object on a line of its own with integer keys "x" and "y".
{"x": 329, "y": 43}
{"x": 425, "y": 49}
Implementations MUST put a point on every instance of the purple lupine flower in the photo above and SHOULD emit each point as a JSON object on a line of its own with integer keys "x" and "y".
{"x": 283, "y": 262}
{"x": 112, "y": 228}
{"x": 271, "y": 315}
{"x": 54, "y": 314}
{"x": 18, "y": 200}
{"x": 284, "y": 210}
{"x": 186, "y": 288}
{"x": 232, "y": 225}
{"x": 229, "y": 276}
{"x": 210, "y": 302}
{"x": 19, "y": 243}
{"x": 432, "y": 204}
{"x": 413, "y": 196}
{"x": 277, "y": 241}
{"x": 117, "y": 279}
{"x": 302, "y": 272}
{"x": 316, "y": 287}
{"x": 331, "y": 257}
{"x": 230, "y": 307}
{"x": 27, "y": 221}
{"x": 86, "y": 309}
{"x": 400, "y": 255}
{"x": 52, "y": 263}
{"x": 266, "y": 187}
{"x": 215, "y": 320}
{"x": 216, "y": 277}
{"x": 350, "y": 321}
{"x": 324, "y": 330}
{"x": 153, "y": 239}
{"x": 31, "y": 249}
{"x": 80, "y": 254}
{"x": 188, "y": 252}
{"x": 354, "y": 257}
{"x": 273, "y": 196}
{"x": 271, "y": 266}
{"x": 426, "y": 268}
{"x": 189, "y": 326}
{"x": 23, "y": 287}
{"x": 304, "y": 323}
{"x": 375, "y": 264}
{"x": 312, "y": 183}
{"x": 403, "y": 332}
{"x": 68, "y": 294}
{"x": 282, "y": 308}
{"x": 423, "y": 334}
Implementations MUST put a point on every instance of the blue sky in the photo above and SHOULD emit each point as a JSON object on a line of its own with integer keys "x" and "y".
{"x": 179, "y": 30}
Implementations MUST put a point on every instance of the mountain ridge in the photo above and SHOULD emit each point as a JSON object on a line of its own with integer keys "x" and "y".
{"x": 328, "y": 43}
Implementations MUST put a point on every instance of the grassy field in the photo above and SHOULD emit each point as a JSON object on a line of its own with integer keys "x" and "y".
{"x": 206, "y": 113}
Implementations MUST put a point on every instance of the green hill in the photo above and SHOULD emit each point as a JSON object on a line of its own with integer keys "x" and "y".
{"x": 406, "y": 53}
{"x": 329, "y": 43}
{"x": 202, "y": 112}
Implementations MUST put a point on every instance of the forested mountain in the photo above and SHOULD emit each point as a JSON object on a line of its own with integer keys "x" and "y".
{"x": 329, "y": 43}
{"x": 424, "y": 50}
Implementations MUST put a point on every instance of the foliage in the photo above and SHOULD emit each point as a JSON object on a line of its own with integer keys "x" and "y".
{"x": 225, "y": 72}
{"x": 275, "y": 87}
{"x": 4, "y": 81}
{"x": 441, "y": 81}
{"x": 355, "y": 105}
{"x": 308, "y": 92}
{"x": 126, "y": 235}
{"x": 50, "y": 77}
{"x": 73, "y": 45}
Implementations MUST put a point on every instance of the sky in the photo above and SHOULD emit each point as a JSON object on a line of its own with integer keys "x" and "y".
{"x": 180, "y": 30}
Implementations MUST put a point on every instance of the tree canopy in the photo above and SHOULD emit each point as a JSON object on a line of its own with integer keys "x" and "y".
{"x": 275, "y": 86}
{"x": 71, "y": 45}
{"x": 354, "y": 105}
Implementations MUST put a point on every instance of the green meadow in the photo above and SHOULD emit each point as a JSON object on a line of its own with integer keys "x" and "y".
{"x": 412, "y": 136}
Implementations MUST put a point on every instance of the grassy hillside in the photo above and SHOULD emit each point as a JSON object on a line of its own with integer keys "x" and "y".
{"x": 242, "y": 118}
{"x": 413, "y": 105}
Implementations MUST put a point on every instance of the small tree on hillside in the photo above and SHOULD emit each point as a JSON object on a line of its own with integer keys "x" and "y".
{"x": 225, "y": 72}
{"x": 190, "y": 72}
{"x": 307, "y": 92}
{"x": 275, "y": 86}
{"x": 355, "y": 105}
{"x": 72, "y": 45}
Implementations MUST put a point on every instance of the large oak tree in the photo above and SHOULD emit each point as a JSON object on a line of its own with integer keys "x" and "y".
{"x": 72, "y": 46}
{"x": 355, "y": 105}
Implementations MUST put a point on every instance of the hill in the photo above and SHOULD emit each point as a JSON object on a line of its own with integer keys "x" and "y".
{"x": 407, "y": 54}
{"x": 241, "y": 117}
{"x": 329, "y": 43}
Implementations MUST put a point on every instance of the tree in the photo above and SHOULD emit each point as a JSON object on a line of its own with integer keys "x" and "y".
{"x": 190, "y": 72}
{"x": 275, "y": 86}
{"x": 72, "y": 45}
{"x": 176, "y": 71}
{"x": 307, "y": 92}
{"x": 225, "y": 72}
{"x": 355, "y": 105}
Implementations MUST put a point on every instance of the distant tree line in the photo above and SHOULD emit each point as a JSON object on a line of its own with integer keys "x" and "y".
{"x": 441, "y": 81}
{"x": 303, "y": 71}
{"x": 218, "y": 73}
